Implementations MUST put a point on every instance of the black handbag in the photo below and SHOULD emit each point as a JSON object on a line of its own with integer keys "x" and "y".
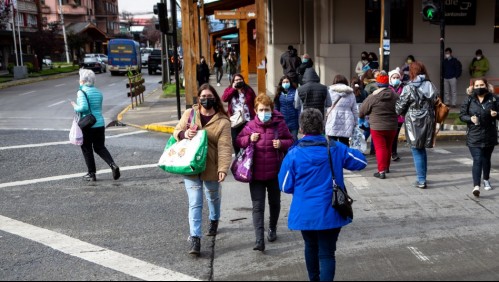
{"x": 341, "y": 202}
{"x": 89, "y": 120}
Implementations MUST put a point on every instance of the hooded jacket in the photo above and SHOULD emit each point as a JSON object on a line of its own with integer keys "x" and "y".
{"x": 312, "y": 94}
{"x": 417, "y": 104}
{"x": 290, "y": 65}
{"x": 306, "y": 173}
{"x": 342, "y": 120}
{"x": 266, "y": 159}
{"x": 380, "y": 107}
{"x": 485, "y": 133}
{"x": 219, "y": 142}
{"x": 302, "y": 68}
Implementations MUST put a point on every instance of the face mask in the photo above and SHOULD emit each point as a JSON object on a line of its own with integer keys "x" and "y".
{"x": 409, "y": 61}
{"x": 395, "y": 82}
{"x": 363, "y": 58}
{"x": 207, "y": 103}
{"x": 447, "y": 56}
{"x": 286, "y": 85}
{"x": 478, "y": 57}
{"x": 202, "y": 61}
{"x": 480, "y": 91}
{"x": 264, "y": 117}
{"x": 305, "y": 60}
{"x": 216, "y": 52}
{"x": 239, "y": 84}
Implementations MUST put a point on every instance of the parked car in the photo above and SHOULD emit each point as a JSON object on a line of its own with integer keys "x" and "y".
{"x": 154, "y": 62}
{"x": 95, "y": 64}
{"x": 47, "y": 61}
{"x": 144, "y": 53}
{"x": 103, "y": 57}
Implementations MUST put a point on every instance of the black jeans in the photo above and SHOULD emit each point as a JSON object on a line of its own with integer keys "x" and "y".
{"x": 258, "y": 189}
{"x": 320, "y": 249}
{"x": 93, "y": 140}
{"x": 481, "y": 163}
{"x": 235, "y": 132}
{"x": 344, "y": 140}
{"x": 396, "y": 140}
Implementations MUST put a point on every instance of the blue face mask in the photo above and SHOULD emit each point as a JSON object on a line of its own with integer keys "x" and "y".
{"x": 305, "y": 60}
{"x": 395, "y": 82}
{"x": 264, "y": 117}
{"x": 286, "y": 85}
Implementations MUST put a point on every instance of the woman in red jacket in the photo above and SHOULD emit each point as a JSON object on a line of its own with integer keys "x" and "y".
{"x": 241, "y": 99}
{"x": 272, "y": 139}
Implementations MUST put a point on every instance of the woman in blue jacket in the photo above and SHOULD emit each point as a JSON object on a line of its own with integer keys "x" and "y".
{"x": 303, "y": 174}
{"x": 284, "y": 103}
{"x": 93, "y": 138}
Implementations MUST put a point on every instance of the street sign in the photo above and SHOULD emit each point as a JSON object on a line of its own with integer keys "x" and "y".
{"x": 235, "y": 15}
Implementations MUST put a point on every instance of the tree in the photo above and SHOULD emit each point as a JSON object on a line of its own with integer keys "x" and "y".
{"x": 151, "y": 34}
{"x": 5, "y": 15}
{"x": 46, "y": 42}
{"x": 76, "y": 44}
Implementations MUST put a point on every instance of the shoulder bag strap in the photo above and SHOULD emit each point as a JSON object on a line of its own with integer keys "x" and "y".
{"x": 88, "y": 102}
{"x": 332, "y": 107}
{"x": 331, "y": 162}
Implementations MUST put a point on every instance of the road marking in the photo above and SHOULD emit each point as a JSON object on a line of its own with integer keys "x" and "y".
{"x": 465, "y": 161}
{"x": 55, "y": 104}
{"x": 92, "y": 253}
{"x": 27, "y": 93}
{"x": 442, "y": 151}
{"x": 59, "y": 85}
{"x": 65, "y": 142}
{"x": 419, "y": 255}
{"x": 112, "y": 84}
{"x": 69, "y": 176}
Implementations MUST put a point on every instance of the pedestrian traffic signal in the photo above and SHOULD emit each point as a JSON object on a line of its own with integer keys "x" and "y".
{"x": 430, "y": 11}
{"x": 160, "y": 11}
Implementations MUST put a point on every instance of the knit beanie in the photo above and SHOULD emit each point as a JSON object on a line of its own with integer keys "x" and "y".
{"x": 382, "y": 79}
{"x": 393, "y": 72}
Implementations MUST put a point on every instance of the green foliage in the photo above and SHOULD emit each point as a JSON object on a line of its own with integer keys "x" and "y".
{"x": 31, "y": 68}
{"x": 10, "y": 68}
{"x": 170, "y": 91}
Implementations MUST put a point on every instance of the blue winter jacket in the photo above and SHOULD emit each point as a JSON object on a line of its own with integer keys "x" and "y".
{"x": 95, "y": 98}
{"x": 306, "y": 174}
{"x": 285, "y": 105}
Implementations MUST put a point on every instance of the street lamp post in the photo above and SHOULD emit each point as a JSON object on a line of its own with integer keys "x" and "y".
{"x": 64, "y": 32}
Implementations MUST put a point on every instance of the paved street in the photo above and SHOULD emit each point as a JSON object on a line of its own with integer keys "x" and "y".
{"x": 54, "y": 226}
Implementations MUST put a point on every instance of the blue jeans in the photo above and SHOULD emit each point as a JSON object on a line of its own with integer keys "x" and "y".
{"x": 212, "y": 190}
{"x": 320, "y": 248}
{"x": 421, "y": 164}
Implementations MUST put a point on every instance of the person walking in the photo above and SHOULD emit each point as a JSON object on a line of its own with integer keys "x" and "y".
{"x": 241, "y": 99}
{"x": 306, "y": 63}
{"x": 417, "y": 105}
{"x": 480, "y": 113}
{"x": 218, "y": 65}
{"x": 479, "y": 65}
{"x": 359, "y": 69}
{"x": 452, "y": 71}
{"x": 284, "y": 103}
{"x": 312, "y": 94}
{"x": 380, "y": 106}
{"x": 290, "y": 65}
{"x": 271, "y": 139}
{"x": 231, "y": 65}
{"x": 203, "y": 72}
{"x": 209, "y": 114}
{"x": 370, "y": 86}
{"x": 397, "y": 87}
{"x": 306, "y": 174}
{"x": 342, "y": 116}
{"x": 90, "y": 102}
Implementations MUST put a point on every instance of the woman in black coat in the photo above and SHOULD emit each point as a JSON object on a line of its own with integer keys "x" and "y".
{"x": 203, "y": 72}
{"x": 480, "y": 113}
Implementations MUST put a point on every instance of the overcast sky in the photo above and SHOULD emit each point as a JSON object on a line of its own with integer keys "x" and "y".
{"x": 142, "y": 6}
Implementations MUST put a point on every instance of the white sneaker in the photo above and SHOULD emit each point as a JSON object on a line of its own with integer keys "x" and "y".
{"x": 487, "y": 185}
{"x": 476, "y": 191}
{"x": 218, "y": 84}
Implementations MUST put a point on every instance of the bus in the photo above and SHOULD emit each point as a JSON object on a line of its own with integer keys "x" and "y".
{"x": 123, "y": 56}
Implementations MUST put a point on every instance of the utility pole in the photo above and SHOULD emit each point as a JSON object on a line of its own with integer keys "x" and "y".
{"x": 64, "y": 33}
{"x": 14, "y": 34}
{"x": 442, "y": 47}
{"x": 173, "y": 8}
{"x": 385, "y": 35}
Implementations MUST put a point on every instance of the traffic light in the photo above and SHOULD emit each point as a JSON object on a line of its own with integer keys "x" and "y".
{"x": 160, "y": 11}
{"x": 431, "y": 12}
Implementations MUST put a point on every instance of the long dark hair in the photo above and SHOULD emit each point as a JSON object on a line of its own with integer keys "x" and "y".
{"x": 340, "y": 79}
{"x": 219, "y": 107}
{"x": 280, "y": 89}
{"x": 357, "y": 90}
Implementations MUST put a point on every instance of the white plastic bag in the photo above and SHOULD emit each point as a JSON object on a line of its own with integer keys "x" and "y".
{"x": 357, "y": 141}
{"x": 75, "y": 134}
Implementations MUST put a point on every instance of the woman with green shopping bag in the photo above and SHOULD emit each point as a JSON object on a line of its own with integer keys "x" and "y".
{"x": 210, "y": 115}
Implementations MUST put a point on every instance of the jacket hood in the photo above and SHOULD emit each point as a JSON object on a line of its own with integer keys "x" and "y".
{"x": 383, "y": 94}
{"x": 423, "y": 86}
{"x": 342, "y": 89}
{"x": 310, "y": 76}
{"x": 314, "y": 156}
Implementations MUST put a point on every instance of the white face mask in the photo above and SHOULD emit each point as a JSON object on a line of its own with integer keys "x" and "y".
{"x": 478, "y": 57}
{"x": 447, "y": 56}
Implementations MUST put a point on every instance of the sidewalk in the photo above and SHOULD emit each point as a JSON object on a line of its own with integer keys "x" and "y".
{"x": 160, "y": 114}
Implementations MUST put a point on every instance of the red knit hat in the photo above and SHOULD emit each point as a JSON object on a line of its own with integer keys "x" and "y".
{"x": 382, "y": 79}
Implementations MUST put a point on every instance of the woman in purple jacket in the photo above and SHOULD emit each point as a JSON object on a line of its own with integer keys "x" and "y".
{"x": 272, "y": 139}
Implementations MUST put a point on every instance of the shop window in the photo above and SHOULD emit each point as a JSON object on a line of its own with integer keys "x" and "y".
{"x": 401, "y": 18}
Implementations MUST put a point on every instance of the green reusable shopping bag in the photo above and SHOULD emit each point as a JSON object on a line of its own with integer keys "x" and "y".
{"x": 187, "y": 157}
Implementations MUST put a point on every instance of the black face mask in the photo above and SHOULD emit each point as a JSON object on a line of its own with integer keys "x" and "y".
{"x": 364, "y": 58}
{"x": 240, "y": 85}
{"x": 208, "y": 103}
{"x": 480, "y": 91}
{"x": 370, "y": 59}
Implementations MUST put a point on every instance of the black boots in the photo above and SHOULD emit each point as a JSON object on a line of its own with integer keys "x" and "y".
{"x": 116, "y": 171}
{"x": 212, "y": 231}
{"x": 272, "y": 235}
{"x": 259, "y": 245}
{"x": 195, "y": 246}
{"x": 90, "y": 177}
